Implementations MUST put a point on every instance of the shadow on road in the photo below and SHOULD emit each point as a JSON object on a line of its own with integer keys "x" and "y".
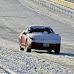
{"x": 67, "y": 54}
{"x": 63, "y": 54}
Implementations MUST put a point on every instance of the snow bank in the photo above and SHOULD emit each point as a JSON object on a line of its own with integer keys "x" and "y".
{"x": 34, "y": 63}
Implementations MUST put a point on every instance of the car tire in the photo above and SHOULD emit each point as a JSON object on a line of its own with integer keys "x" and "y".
{"x": 57, "y": 51}
{"x": 27, "y": 49}
{"x": 21, "y": 48}
{"x": 49, "y": 51}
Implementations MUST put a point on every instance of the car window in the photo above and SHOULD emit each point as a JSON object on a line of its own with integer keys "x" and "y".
{"x": 41, "y": 30}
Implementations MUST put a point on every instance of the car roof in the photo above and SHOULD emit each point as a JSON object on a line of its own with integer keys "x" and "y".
{"x": 39, "y": 27}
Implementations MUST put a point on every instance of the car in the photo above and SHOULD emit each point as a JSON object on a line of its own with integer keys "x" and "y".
{"x": 40, "y": 38}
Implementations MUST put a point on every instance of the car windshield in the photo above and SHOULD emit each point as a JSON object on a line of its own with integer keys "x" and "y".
{"x": 41, "y": 30}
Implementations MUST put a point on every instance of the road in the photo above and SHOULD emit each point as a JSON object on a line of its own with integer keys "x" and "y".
{"x": 15, "y": 16}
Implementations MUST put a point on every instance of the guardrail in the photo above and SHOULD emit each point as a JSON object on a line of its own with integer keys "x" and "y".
{"x": 72, "y": 1}
{"x": 55, "y": 8}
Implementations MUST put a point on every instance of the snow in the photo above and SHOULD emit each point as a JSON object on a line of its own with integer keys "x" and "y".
{"x": 30, "y": 63}
{"x": 42, "y": 37}
{"x": 45, "y": 38}
{"x": 15, "y": 16}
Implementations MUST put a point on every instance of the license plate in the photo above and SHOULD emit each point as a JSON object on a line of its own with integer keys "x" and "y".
{"x": 46, "y": 45}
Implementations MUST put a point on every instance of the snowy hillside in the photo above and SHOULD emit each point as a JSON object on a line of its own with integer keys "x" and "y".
{"x": 15, "y": 16}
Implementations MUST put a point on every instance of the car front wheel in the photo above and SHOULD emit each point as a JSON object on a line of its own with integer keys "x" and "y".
{"x": 21, "y": 48}
{"x": 27, "y": 49}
